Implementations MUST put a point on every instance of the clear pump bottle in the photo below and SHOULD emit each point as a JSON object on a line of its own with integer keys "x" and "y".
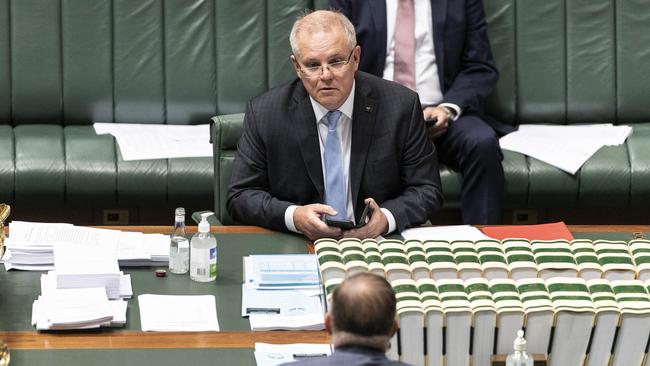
{"x": 520, "y": 357}
{"x": 203, "y": 253}
{"x": 179, "y": 248}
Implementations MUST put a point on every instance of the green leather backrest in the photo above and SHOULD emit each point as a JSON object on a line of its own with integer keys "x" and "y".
{"x": 140, "y": 61}
{"x": 226, "y": 131}
{"x": 570, "y": 61}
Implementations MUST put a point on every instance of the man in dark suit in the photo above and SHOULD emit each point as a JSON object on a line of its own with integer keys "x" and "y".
{"x": 361, "y": 321}
{"x": 287, "y": 174}
{"x": 452, "y": 69}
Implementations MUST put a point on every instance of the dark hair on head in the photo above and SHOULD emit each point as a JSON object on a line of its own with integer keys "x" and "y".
{"x": 364, "y": 304}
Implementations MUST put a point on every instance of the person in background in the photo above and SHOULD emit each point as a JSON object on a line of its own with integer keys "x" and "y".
{"x": 440, "y": 49}
{"x": 331, "y": 142}
{"x": 361, "y": 322}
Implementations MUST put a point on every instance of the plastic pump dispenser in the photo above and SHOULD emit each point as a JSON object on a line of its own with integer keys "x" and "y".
{"x": 520, "y": 357}
{"x": 203, "y": 253}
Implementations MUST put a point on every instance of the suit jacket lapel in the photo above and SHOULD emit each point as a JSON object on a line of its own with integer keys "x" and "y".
{"x": 302, "y": 116}
{"x": 363, "y": 125}
{"x": 439, "y": 15}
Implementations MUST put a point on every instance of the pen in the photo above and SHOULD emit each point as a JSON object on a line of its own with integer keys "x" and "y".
{"x": 308, "y": 355}
{"x": 263, "y": 310}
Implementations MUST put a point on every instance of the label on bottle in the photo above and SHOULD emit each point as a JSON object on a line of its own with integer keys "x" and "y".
{"x": 213, "y": 262}
{"x": 199, "y": 262}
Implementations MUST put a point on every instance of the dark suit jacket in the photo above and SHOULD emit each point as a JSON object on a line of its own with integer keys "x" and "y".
{"x": 278, "y": 159}
{"x": 465, "y": 65}
{"x": 350, "y": 356}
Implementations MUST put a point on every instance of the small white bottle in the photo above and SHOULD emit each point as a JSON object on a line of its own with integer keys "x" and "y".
{"x": 520, "y": 357}
{"x": 179, "y": 248}
{"x": 203, "y": 253}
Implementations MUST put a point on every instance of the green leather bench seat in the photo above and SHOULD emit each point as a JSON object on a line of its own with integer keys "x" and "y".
{"x": 72, "y": 165}
{"x": 560, "y": 62}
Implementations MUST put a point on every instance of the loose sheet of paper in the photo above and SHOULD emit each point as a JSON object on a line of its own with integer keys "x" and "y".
{"x": 170, "y": 313}
{"x": 449, "y": 233}
{"x": 565, "y": 147}
{"x": 153, "y": 141}
{"x": 287, "y": 271}
{"x": 276, "y": 354}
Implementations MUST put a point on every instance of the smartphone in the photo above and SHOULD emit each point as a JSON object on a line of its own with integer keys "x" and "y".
{"x": 347, "y": 224}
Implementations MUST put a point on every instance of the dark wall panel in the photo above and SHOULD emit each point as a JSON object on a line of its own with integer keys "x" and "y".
{"x": 541, "y": 61}
{"x": 87, "y": 61}
{"x": 633, "y": 60}
{"x": 190, "y": 76}
{"x": 281, "y": 16}
{"x": 5, "y": 64}
{"x": 591, "y": 84}
{"x": 241, "y": 53}
{"x": 138, "y": 61}
{"x": 500, "y": 15}
{"x": 36, "y": 61}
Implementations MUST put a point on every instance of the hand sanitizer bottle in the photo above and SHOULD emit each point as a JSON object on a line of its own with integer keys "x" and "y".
{"x": 203, "y": 253}
{"x": 179, "y": 248}
{"x": 520, "y": 357}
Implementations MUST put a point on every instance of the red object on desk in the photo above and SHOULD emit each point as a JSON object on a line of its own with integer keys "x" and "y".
{"x": 553, "y": 231}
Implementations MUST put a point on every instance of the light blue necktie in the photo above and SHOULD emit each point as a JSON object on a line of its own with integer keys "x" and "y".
{"x": 335, "y": 187}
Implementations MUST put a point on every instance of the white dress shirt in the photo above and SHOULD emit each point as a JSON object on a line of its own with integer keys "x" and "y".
{"x": 344, "y": 129}
{"x": 426, "y": 71}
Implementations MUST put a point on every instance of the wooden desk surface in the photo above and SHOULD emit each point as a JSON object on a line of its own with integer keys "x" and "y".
{"x": 32, "y": 340}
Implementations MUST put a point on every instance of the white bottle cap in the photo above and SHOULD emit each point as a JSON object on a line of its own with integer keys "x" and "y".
{"x": 520, "y": 342}
{"x": 204, "y": 226}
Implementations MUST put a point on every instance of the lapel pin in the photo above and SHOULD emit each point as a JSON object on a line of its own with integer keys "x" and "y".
{"x": 368, "y": 109}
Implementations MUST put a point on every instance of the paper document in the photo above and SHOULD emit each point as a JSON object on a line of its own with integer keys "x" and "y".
{"x": 263, "y": 322}
{"x": 168, "y": 313}
{"x": 276, "y": 354}
{"x": 72, "y": 309}
{"x": 565, "y": 147}
{"x": 448, "y": 233}
{"x": 153, "y": 141}
{"x": 281, "y": 302}
{"x": 288, "y": 271}
{"x": 30, "y": 245}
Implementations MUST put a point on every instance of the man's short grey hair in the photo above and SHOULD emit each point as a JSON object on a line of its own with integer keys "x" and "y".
{"x": 321, "y": 20}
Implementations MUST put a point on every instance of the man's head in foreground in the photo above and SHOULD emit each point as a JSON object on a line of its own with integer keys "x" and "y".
{"x": 362, "y": 312}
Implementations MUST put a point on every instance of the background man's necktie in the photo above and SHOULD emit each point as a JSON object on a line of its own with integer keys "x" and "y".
{"x": 335, "y": 187}
{"x": 404, "y": 64}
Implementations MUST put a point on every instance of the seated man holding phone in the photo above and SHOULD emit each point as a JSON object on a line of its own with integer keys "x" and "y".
{"x": 315, "y": 152}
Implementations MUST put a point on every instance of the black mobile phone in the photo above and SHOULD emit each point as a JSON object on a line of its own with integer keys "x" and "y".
{"x": 347, "y": 224}
{"x": 343, "y": 224}
{"x": 430, "y": 122}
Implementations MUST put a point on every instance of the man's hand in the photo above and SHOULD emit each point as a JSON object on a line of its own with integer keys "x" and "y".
{"x": 439, "y": 121}
{"x": 378, "y": 224}
{"x": 308, "y": 221}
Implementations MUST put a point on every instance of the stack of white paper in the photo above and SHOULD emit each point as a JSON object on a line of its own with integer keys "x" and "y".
{"x": 49, "y": 283}
{"x": 167, "y": 313}
{"x": 565, "y": 147}
{"x": 276, "y": 354}
{"x": 282, "y": 292}
{"x": 30, "y": 245}
{"x": 81, "y": 266}
{"x": 152, "y": 141}
{"x": 138, "y": 249}
{"x": 77, "y": 309}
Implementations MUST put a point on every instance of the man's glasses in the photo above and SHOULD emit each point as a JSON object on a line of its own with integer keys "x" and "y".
{"x": 318, "y": 70}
